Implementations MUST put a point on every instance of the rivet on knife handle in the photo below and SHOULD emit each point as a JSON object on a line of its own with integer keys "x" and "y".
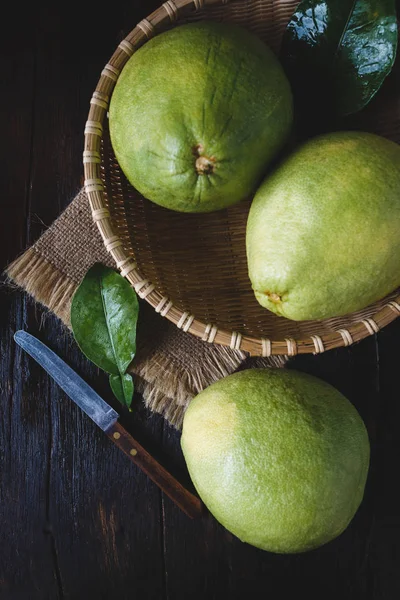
{"x": 186, "y": 501}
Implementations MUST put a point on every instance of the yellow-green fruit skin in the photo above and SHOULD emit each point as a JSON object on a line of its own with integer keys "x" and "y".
{"x": 279, "y": 457}
{"x": 323, "y": 232}
{"x": 211, "y": 90}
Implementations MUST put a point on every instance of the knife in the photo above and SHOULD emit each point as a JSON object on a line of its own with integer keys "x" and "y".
{"x": 107, "y": 419}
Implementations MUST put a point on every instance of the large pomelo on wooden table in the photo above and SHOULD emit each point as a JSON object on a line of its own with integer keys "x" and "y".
{"x": 197, "y": 114}
{"x": 279, "y": 457}
{"x": 323, "y": 232}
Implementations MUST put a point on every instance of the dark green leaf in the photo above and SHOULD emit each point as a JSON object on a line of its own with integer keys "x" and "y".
{"x": 122, "y": 387}
{"x": 337, "y": 53}
{"x": 104, "y": 314}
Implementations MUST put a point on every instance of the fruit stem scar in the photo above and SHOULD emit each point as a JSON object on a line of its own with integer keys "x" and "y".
{"x": 273, "y": 297}
{"x": 204, "y": 165}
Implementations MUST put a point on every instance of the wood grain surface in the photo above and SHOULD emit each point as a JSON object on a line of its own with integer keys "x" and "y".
{"x": 77, "y": 518}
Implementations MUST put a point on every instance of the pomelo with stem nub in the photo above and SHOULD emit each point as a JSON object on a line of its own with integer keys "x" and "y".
{"x": 197, "y": 114}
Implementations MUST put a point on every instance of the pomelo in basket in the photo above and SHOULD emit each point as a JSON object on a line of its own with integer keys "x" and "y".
{"x": 197, "y": 114}
{"x": 323, "y": 232}
{"x": 279, "y": 457}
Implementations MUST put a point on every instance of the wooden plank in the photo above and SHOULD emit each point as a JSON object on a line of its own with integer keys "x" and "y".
{"x": 384, "y": 547}
{"x": 26, "y": 561}
{"x": 17, "y": 97}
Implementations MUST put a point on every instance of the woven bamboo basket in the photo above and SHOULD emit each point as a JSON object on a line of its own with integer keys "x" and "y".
{"x": 192, "y": 268}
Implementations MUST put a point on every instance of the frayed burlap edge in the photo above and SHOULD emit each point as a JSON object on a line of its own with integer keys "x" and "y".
{"x": 46, "y": 284}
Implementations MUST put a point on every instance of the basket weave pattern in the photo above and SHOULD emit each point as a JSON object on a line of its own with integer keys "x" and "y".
{"x": 192, "y": 268}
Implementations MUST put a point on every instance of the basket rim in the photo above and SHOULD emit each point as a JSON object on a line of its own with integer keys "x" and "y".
{"x": 163, "y": 16}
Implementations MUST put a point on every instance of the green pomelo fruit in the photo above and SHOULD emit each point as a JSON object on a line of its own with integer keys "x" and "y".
{"x": 197, "y": 114}
{"x": 323, "y": 232}
{"x": 279, "y": 457}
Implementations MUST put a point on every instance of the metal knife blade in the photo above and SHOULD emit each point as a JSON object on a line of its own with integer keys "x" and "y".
{"x": 73, "y": 385}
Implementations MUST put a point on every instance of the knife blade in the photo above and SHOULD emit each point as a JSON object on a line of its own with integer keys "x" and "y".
{"x": 107, "y": 419}
{"x": 73, "y": 385}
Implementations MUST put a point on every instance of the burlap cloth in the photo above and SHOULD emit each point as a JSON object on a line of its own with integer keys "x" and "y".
{"x": 171, "y": 367}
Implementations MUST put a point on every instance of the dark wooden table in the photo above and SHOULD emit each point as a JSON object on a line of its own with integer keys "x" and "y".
{"x": 77, "y": 519}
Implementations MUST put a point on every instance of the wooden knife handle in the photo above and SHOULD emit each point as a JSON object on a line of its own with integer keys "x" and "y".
{"x": 186, "y": 501}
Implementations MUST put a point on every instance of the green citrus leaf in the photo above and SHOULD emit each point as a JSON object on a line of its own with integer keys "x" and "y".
{"x": 123, "y": 388}
{"x": 337, "y": 53}
{"x": 104, "y": 315}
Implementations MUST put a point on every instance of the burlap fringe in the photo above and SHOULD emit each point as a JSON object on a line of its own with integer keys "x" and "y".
{"x": 174, "y": 398}
{"x": 46, "y": 284}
